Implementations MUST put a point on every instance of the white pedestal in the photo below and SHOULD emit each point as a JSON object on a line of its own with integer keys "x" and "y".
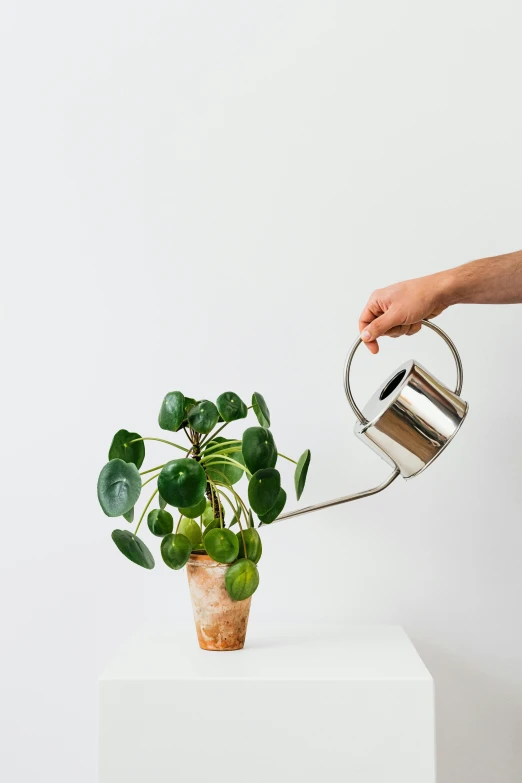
{"x": 353, "y": 704}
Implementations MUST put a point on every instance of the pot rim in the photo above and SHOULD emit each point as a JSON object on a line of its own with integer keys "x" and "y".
{"x": 201, "y": 559}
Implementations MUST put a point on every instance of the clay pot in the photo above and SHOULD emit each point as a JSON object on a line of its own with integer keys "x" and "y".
{"x": 221, "y": 623}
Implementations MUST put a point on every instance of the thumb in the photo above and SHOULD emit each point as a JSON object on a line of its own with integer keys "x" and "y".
{"x": 379, "y": 326}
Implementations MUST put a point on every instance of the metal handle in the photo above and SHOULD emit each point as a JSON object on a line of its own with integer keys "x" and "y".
{"x": 430, "y": 325}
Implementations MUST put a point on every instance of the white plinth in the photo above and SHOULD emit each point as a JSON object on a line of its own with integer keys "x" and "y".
{"x": 353, "y": 704}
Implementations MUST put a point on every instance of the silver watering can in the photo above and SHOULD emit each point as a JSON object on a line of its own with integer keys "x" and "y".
{"x": 408, "y": 422}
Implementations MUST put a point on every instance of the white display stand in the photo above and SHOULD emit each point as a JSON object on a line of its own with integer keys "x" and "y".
{"x": 347, "y": 704}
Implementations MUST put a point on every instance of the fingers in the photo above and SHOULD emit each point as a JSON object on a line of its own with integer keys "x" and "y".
{"x": 368, "y": 315}
{"x": 407, "y": 329}
{"x": 378, "y": 327}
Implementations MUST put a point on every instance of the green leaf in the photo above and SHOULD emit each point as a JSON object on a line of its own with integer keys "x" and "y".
{"x": 122, "y": 448}
{"x": 160, "y": 522}
{"x": 175, "y": 550}
{"x": 254, "y": 547}
{"x": 236, "y": 517}
{"x": 274, "y": 512}
{"x": 208, "y": 514}
{"x": 263, "y": 489}
{"x": 162, "y": 502}
{"x": 189, "y": 404}
{"x": 190, "y": 529}
{"x": 231, "y": 407}
{"x": 259, "y": 449}
{"x": 119, "y": 487}
{"x": 203, "y": 417}
{"x": 221, "y": 544}
{"x": 129, "y": 516}
{"x": 133, "y": 548}
{"x": 226, "y": 470}
{"x": 182, "y": 482}
{"x": 219, "y": 445}
{"x": 194, "y": 511}
{"x": 213, "y": 525}
{"x": 301, "y": 471}
{"x": 250, "y": 519}
{"x": 172, "y": 411}
{"x": 242, "y": 580}
{"x": 261, "y": 409}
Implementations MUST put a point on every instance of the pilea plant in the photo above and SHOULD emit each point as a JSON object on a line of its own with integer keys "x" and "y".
{"x": 201, "y": 486}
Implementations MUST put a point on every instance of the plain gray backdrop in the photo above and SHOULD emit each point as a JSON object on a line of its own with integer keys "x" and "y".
{"x": 201, "y": 196}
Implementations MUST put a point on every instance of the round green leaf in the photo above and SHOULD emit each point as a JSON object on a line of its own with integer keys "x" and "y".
{"x": 182, "y": 482}
{"x": 162, "y": 502}
{"x": 119, "y": 487}
{"x": 242, "y": 580}
{"x": 190, "y": 529}
{"x": 175, "y": 550}
{"x": 259, "y": 449}
{"x": 226, "y": 470}
{"x": 231, "y": 407}
{"x": 172, "y": 412}
{"x": 212, "y": 525}
{"x": 301, "y": 471}
{"x": 203, "y": 416}
{"x": 160, "y": 522}
{"x": 261, "y": 409}
{"x": 263, "y": 490}
{"x": 221, "y": 544}
{"x": 133, "y": 548}
{"x": 194, "y": 511}
{"x": 122, "y": 448}
{"x": 129, "y": 516}
{"x": 276, "y": 509}
{"x": 254, "y": 547}
{"x": 208, "y": 514}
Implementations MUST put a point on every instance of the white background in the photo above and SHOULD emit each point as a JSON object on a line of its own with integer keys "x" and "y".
{"x": 202, "y": 195}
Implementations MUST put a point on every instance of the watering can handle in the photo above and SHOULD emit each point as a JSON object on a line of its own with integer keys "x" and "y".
{"x": 430, "y": 325}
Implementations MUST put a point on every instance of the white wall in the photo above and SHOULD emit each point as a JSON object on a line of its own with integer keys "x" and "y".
{"x": 201, "y": 195}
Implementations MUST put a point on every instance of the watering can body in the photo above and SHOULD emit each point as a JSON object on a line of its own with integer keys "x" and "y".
{"x": 411, "y": 419}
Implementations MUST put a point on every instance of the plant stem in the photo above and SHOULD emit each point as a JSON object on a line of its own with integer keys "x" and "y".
{"x": 224, "y": 460}
{"x": 179, "y": 521}
{"x": 160, "y": 440}
{"x": 213, "y": 434}
{"x": 211, "y": 497}
{"x": 150, "y": 479}
{"x": 151, "y": 470}
{"x": 218, "y": 447}
{"x": 219, "y": 506}
{"x": 238, "y": 519}
{"x": 288, "y": 458}
{"x": 231, "y": 489}
{"x": 145, "y": 510}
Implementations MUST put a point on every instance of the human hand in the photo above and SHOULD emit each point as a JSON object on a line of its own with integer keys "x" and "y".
{"x": 399, "y": 309}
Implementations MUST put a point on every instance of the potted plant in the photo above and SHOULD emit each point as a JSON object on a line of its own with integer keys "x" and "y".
{"x": 221, "y": 561}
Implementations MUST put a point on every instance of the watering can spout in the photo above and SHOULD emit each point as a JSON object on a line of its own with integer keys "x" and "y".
{"x": 408, "y": 422}
{"x": 338, "y": 501}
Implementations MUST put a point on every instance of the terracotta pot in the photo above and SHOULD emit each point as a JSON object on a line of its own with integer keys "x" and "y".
{"x": 221, "y": 623}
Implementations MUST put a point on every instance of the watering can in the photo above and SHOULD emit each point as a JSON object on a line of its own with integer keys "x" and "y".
{"x": 408, "y": 422}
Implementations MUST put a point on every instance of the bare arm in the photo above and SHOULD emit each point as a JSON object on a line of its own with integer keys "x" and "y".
{"x": 398, "y": 309}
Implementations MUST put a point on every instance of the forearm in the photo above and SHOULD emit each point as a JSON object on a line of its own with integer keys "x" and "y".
{"x": 496, "y": 280}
